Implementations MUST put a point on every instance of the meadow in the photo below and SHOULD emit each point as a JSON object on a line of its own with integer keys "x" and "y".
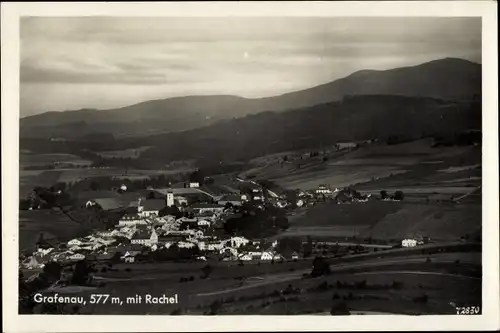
{"x": 55, "y": 226}
{"x": 125, "y": 153}
{"x": 252, "y": 289}
{"x": 386, "y": 221}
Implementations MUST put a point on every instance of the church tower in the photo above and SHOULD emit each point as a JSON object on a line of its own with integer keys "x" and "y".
{"x": 170, "y": 198}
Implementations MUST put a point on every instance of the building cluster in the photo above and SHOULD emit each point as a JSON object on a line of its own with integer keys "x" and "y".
{"x": 146, "y": 231}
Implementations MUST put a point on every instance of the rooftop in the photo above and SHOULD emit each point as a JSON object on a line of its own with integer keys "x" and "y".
{"x": 153, "y": 204}
{"x": 205, "y": 205}
{"x": 142, "y": 235}
{"x": 231, "y": 197}
{"x": 108, "y": 203}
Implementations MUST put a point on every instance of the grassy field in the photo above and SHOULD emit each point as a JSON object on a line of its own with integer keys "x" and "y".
{"x": 27, "y": 159}
{"x": 126, "y": 153}
{"x": 386, "y": 221}
{"x": 439, "y": 222}
{"x": 412, "y": 162}
{"x": 53, "y": 224}
{"x": 260, "y": 291}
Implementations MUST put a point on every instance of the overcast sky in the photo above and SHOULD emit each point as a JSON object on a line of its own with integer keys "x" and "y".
{"x": 73, "y": 63}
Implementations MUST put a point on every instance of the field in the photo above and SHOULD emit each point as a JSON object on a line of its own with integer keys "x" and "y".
{"x": 373, "y": 165}
{"x": 386, "y": 221}
{"x": 53, "y": 224}
{"x": 30, "y": 159}
{"x": 29, "y": 178}
{"x": 392, "y": 287}
{"x": 126, "y": 153}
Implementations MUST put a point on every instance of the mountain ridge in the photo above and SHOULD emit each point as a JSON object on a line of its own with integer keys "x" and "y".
{"x": 447, "y": 78}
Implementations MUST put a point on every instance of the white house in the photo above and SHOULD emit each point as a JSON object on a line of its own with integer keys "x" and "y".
{"x": 238, "y": 241}
{"x": 131, "y": 220}
{"x": 194, "y": 184}
{"x": 245, "y": 257}
{"x": 76, "y": 256}
{"x": 186, "y": 245}
{"x": 214, "y": 246}
{"x": 323, "y": 189}
{"x": 409, "y": 243}
{"x": 204, "y": 207}
{"x": 204, "y": 222}
{"x": 151, "y": 207}
{"x": 76, "y": 242}
{"x": 44, "y": 252}
{"x": 129, "y": 259}
{"x": 90, "y": 203}
{"x": 269, "y": 256}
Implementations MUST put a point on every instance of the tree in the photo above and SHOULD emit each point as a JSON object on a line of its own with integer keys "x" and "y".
{"x": 320, "y": 267}
{"x": 80, "y": 273}
{"x": 399, "y": 195}
{"x": 52, "y": 270}
{"x": 383, "y": 195}
{"x": 307, "y": 247}
{"x": 206, "y": 270}
{"x": 197, "y": 177}
{"x": 340, "y": 309}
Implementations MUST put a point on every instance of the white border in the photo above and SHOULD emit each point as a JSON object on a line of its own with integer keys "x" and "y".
{"x": 10, "y": 171}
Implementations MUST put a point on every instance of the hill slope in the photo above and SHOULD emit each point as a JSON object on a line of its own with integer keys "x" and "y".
{"x": 450, "y": 79}
{"x": 355, "y": 118}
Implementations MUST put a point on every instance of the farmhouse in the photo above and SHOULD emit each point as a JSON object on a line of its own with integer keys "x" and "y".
{"x": 151, "y": 207}
{"x": 76, "y": 256}
{"x": 346, "y": 145}
{"x": 409, "y": 243}
{"x": 323, "y": 189}
{"x": 145, "y": 238}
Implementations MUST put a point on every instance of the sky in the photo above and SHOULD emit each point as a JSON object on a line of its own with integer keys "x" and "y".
{"x": 69, "y": 63}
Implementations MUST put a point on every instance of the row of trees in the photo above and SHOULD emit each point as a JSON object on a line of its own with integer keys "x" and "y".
{"x": 398, "y": 195}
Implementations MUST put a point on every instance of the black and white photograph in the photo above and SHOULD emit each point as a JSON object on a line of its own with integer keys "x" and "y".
{"x": 251, "y": 165}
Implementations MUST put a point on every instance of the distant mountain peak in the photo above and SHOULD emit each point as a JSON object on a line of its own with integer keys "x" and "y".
{"x": 448, "y": 78}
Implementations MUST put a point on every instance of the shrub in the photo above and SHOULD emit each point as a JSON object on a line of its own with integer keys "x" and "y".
{"x": 383, "y": 194}
{"x": 399, "y": 195}
{"x": 339, "y": 309}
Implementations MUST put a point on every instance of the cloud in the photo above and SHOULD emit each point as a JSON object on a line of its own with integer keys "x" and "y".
{"x": 243, "y": 56}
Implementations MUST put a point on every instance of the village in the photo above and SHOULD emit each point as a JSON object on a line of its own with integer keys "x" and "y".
{"x": 168, "y": 220}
